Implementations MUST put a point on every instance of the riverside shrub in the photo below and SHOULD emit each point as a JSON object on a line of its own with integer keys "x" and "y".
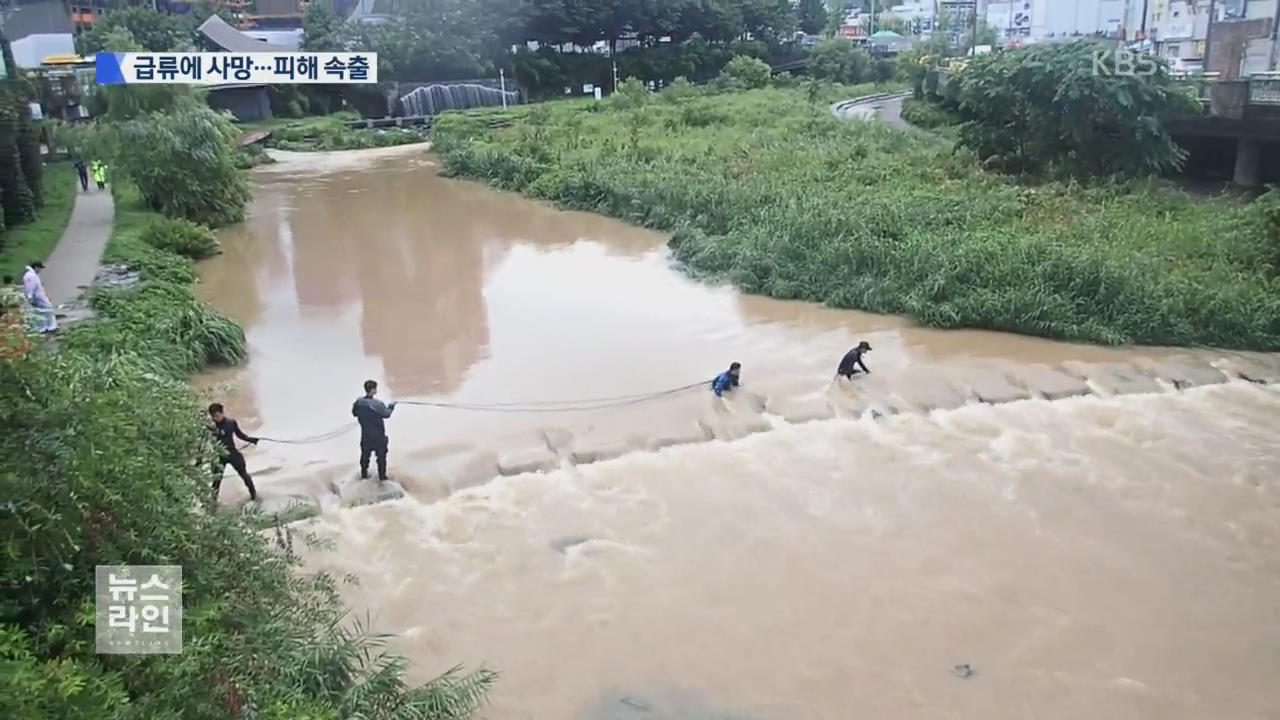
{"x": 102, "y": 462}
{"x": 182, "y": 237}
{"x": 784, "y": 200}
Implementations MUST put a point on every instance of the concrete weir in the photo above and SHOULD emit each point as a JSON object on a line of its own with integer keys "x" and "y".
{"x": 1048, "y": 383}
{"x": 438, "y": 472}
{"x": 1183, "y": 371}
{"x": 996, "y": 389}
{"x": 1113, "y": 378}
{"x": 926, "y": 391}
{"x": 1263, "y": 369}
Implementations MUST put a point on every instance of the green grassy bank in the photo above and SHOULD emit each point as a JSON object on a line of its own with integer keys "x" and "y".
{"x": 930, "y": 116}
{"x": 103, "y": 461}
{"x": 330, "y": 132}
{"x": 769, "y": 191}
{"x": 35, "y": 240}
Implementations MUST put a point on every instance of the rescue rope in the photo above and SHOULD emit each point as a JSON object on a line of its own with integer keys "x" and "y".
{"x": 525, "y": 406}
{"x": 556, "y": 405}
{"x": 312, "y": 439}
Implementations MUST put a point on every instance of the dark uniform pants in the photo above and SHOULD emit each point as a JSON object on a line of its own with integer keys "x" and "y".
{"x": 235, "y": 460}
{"x": 373, "y": 446}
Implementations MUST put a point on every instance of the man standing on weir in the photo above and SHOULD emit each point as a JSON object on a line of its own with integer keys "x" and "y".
{"x": 372, "y": 414}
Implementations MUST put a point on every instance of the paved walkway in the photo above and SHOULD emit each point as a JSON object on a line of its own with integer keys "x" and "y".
{"x": 885, "y": 108}
{"x": 71, "y": 266}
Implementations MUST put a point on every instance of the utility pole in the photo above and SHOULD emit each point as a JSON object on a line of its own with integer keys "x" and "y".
{"x": 1208, "y": 32}
{"x": 973, "y": 31}
{"x": 1275, "y": 38}
{"x": 871, "y": 27}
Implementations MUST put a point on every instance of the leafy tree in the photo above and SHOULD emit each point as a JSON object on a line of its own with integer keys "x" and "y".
{"x": 29, "y": 154}
{"x": 1044, "y": 109}
{"x": 654, "y": 19}
{"x": 714, "y": 20}
{"x": 19, "y": 203}
{"x": 883, "y": 70}
{"x": 890, "y": 22}
{"x": 746, "y": 73}
{"x": 322, "y": 30}
{"x": 768, "y": 20}
{"x": 181, "y": 157}
{"x": 153, "y": 31}
{"x": 812, "y": 15}
{"x": 432, "y": 40}
{"x": 16, "y": 192}
{"x": 987, "y": 35}
{"x": 839, "y": 60}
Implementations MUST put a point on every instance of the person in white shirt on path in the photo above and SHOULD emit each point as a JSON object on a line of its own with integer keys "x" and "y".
{"x": 39, "y": 299}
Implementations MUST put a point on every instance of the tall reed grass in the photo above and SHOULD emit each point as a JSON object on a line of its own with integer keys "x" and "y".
{"x": 769, "y": 191}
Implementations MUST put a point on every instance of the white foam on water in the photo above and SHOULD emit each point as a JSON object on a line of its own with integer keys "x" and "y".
{"x": 1090, "y": 557}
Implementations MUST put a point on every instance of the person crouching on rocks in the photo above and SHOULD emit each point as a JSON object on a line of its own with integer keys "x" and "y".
{"x": 852, "y": 361}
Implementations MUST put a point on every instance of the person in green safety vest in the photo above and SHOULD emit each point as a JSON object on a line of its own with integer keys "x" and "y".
{"x": 100, "y": 173}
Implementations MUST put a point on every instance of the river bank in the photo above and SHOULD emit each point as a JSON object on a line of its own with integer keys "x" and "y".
{"x": 768, "y": 191}
{"x": 103, "y": 417}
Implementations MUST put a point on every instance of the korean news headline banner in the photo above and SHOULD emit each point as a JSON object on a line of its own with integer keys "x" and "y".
{"x": 217, "y": 68}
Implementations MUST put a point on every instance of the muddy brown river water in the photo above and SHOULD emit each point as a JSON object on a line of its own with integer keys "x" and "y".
{"x": 1112, "y": 552}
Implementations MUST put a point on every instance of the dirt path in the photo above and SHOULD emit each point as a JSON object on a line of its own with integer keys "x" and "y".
{"x": 72, "y": 264}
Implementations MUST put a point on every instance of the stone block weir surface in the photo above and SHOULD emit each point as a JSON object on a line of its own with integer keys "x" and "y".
{"x": 1256, "y": 369}
{"x": 996, "y": 389}
{"x": 440, "y": 471}
{"x": 527, "y": 460}
{"x": 367, "y": 492}
{"x": 1183, "y": 371}
{"x": 1048, "y": 383}
{"x": 1113, "y": 378}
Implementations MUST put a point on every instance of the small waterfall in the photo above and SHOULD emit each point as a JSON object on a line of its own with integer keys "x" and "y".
{"x": 435, "y": 99}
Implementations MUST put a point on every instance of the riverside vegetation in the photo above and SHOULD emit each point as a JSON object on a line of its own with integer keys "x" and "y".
{"x": 767, "y": 190}
{"x": 104, "y": 460}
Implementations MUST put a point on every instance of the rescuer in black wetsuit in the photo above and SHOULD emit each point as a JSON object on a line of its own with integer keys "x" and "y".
{"x": 372, "y": 414}
{"x": 226, "y": 430}
{"x": 852, "y": 360}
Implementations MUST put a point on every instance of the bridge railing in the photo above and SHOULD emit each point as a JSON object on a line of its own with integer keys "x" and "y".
{"x": 1264, "y": 89}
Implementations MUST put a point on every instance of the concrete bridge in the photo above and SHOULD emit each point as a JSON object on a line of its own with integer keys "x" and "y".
{"x": 1243, "y": 110}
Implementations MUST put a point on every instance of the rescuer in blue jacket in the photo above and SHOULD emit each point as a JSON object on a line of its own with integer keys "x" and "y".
{"x": 726, "y": 380}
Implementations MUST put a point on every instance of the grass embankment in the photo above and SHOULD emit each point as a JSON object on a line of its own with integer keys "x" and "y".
{"x": 161, "y": 320}
{"x": 930, "y": 116}
{"x": 330, "y": 132}
{"x": 770, "y": 192}
{"x": 103, "y": 460}
{"x": 35, "y": 240}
